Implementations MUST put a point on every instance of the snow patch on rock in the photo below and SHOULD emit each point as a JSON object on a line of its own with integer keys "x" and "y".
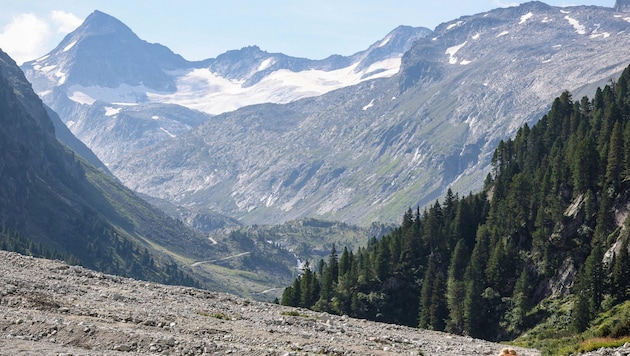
{"x": 579, "y": 28}
{"x": 453, "y": 25}
{"x": 167, "y": 132}
{"x": 526, "y": 17}
{"x": 68, "y": 47}
{"x": 110, "y": 111}
{"x": 369, "y": 105}
{"x": 451, "y": 51}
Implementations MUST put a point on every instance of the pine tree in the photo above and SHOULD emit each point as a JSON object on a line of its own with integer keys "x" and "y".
{"x": 329, "y": 277}
{"x": 621, "y": 274}
{"x": 438, "y": 312}
{"x": 580, "y": 315}
{"x": 426, "y": 294}
{"x": 604, "y": 221}
{"x": 474, "y": 308}
{"x": 309, "y": 287}
{"x": 381, "y": 260}
{"x": 344, "y": 262}
{"x": 519, "y": 303}
{"x": 593, "y": 279}
{"x": 333, "y": 263}
{"x": 496, "y": 265}
{"x": 615, "y": 159}
{"x": 585, "y": 163}
{"x": 456, "y": 289}
{"x": 291, "y": 295}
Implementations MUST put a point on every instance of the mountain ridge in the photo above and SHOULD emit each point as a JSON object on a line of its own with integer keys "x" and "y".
{"x": 159, "y": 69}
{"x": 397, "y": 141}
{"x": 363, "y": 153}
{"x": 96, "y": 76}
{"x": 53, "y": 201}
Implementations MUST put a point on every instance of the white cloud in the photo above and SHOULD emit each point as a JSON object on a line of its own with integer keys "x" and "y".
{"x": 24, "y": 37}
{"x": 66, "y": 22}
{"x": 28, "y": 36}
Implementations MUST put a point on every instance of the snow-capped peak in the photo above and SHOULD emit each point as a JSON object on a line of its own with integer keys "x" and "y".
{"x": 103, "y": 60}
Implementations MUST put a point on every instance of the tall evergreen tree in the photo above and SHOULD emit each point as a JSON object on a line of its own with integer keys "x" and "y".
{"x": 474, "y": 308}
{"x": 621, "y": 274}
{"x": 519, "y": 303}
{"x": 593, "y": 279}
{"x": 456, "y": 288}
{"x": 615, "y": 157}
{"x": 426, "y": 294}
{"x": 580, "y": 316}
{"x": 438, "y": 311}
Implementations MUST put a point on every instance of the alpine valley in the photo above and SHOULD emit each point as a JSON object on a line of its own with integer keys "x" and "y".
{"x": 379, "y": 132}
{"x": 56, "y": 204}
{"x": 227, "y": 172}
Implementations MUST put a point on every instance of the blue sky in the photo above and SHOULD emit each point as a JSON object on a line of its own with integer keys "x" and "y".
{"x": 199, "y": 29}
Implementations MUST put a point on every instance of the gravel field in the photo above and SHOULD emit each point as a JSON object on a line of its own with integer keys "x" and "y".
{"x": 50, "y": 308}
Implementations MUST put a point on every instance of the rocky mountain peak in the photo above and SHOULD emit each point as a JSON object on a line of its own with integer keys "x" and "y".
{"x": 105, "y": 52}
{"x": 622, "y": 5}
{"x": 100, "y": 23}
{"x": 402, "y": 37}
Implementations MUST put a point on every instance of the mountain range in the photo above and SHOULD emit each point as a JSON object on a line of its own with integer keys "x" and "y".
{"x": 118, "y": 93}
{"x": 54, "y": 203}
{"x": 396, "y": 130}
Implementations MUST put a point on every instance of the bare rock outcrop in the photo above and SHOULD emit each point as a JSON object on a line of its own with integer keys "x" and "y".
{"x": 622, "y": 5}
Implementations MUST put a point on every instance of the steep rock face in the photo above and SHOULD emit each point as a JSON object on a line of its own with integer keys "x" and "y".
{"x": 65, "y": 135}
{"x": 27, "y": 139}
{"x": 622, "y": 5}
{"x": 371, "y": 151}
{"x": 105, "y": 52}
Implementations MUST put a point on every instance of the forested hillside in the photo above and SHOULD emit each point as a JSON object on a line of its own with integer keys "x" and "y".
{"x": 551, "y": 222}
{"x": 54, "y": 204}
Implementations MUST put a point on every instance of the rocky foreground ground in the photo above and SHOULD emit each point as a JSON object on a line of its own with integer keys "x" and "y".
{"x": 50, "y": 308}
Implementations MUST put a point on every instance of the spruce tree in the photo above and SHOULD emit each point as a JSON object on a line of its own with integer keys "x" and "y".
{"x": 474, "y": 308}
{"x": 615, "y": 159}
{"x": 519, "y": 303}
{"x": 621, "y": 274}
{"x": 580, "y": 315}
{"x": 438, "y": 311}
{"x": 456, "y": 289}
{"x": 344, "y": 262}
{"x": 593, "y": 279}
{"x": 426, "y": 294}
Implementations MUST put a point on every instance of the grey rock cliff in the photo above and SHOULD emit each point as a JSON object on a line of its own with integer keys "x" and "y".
{"x": 622, "y": 5}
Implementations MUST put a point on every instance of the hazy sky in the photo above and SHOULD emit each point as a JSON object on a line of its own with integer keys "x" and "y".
{"x": 199, "y": 29}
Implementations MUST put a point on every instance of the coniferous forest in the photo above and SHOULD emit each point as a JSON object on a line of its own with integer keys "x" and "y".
{"x": 551, "y": 221}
